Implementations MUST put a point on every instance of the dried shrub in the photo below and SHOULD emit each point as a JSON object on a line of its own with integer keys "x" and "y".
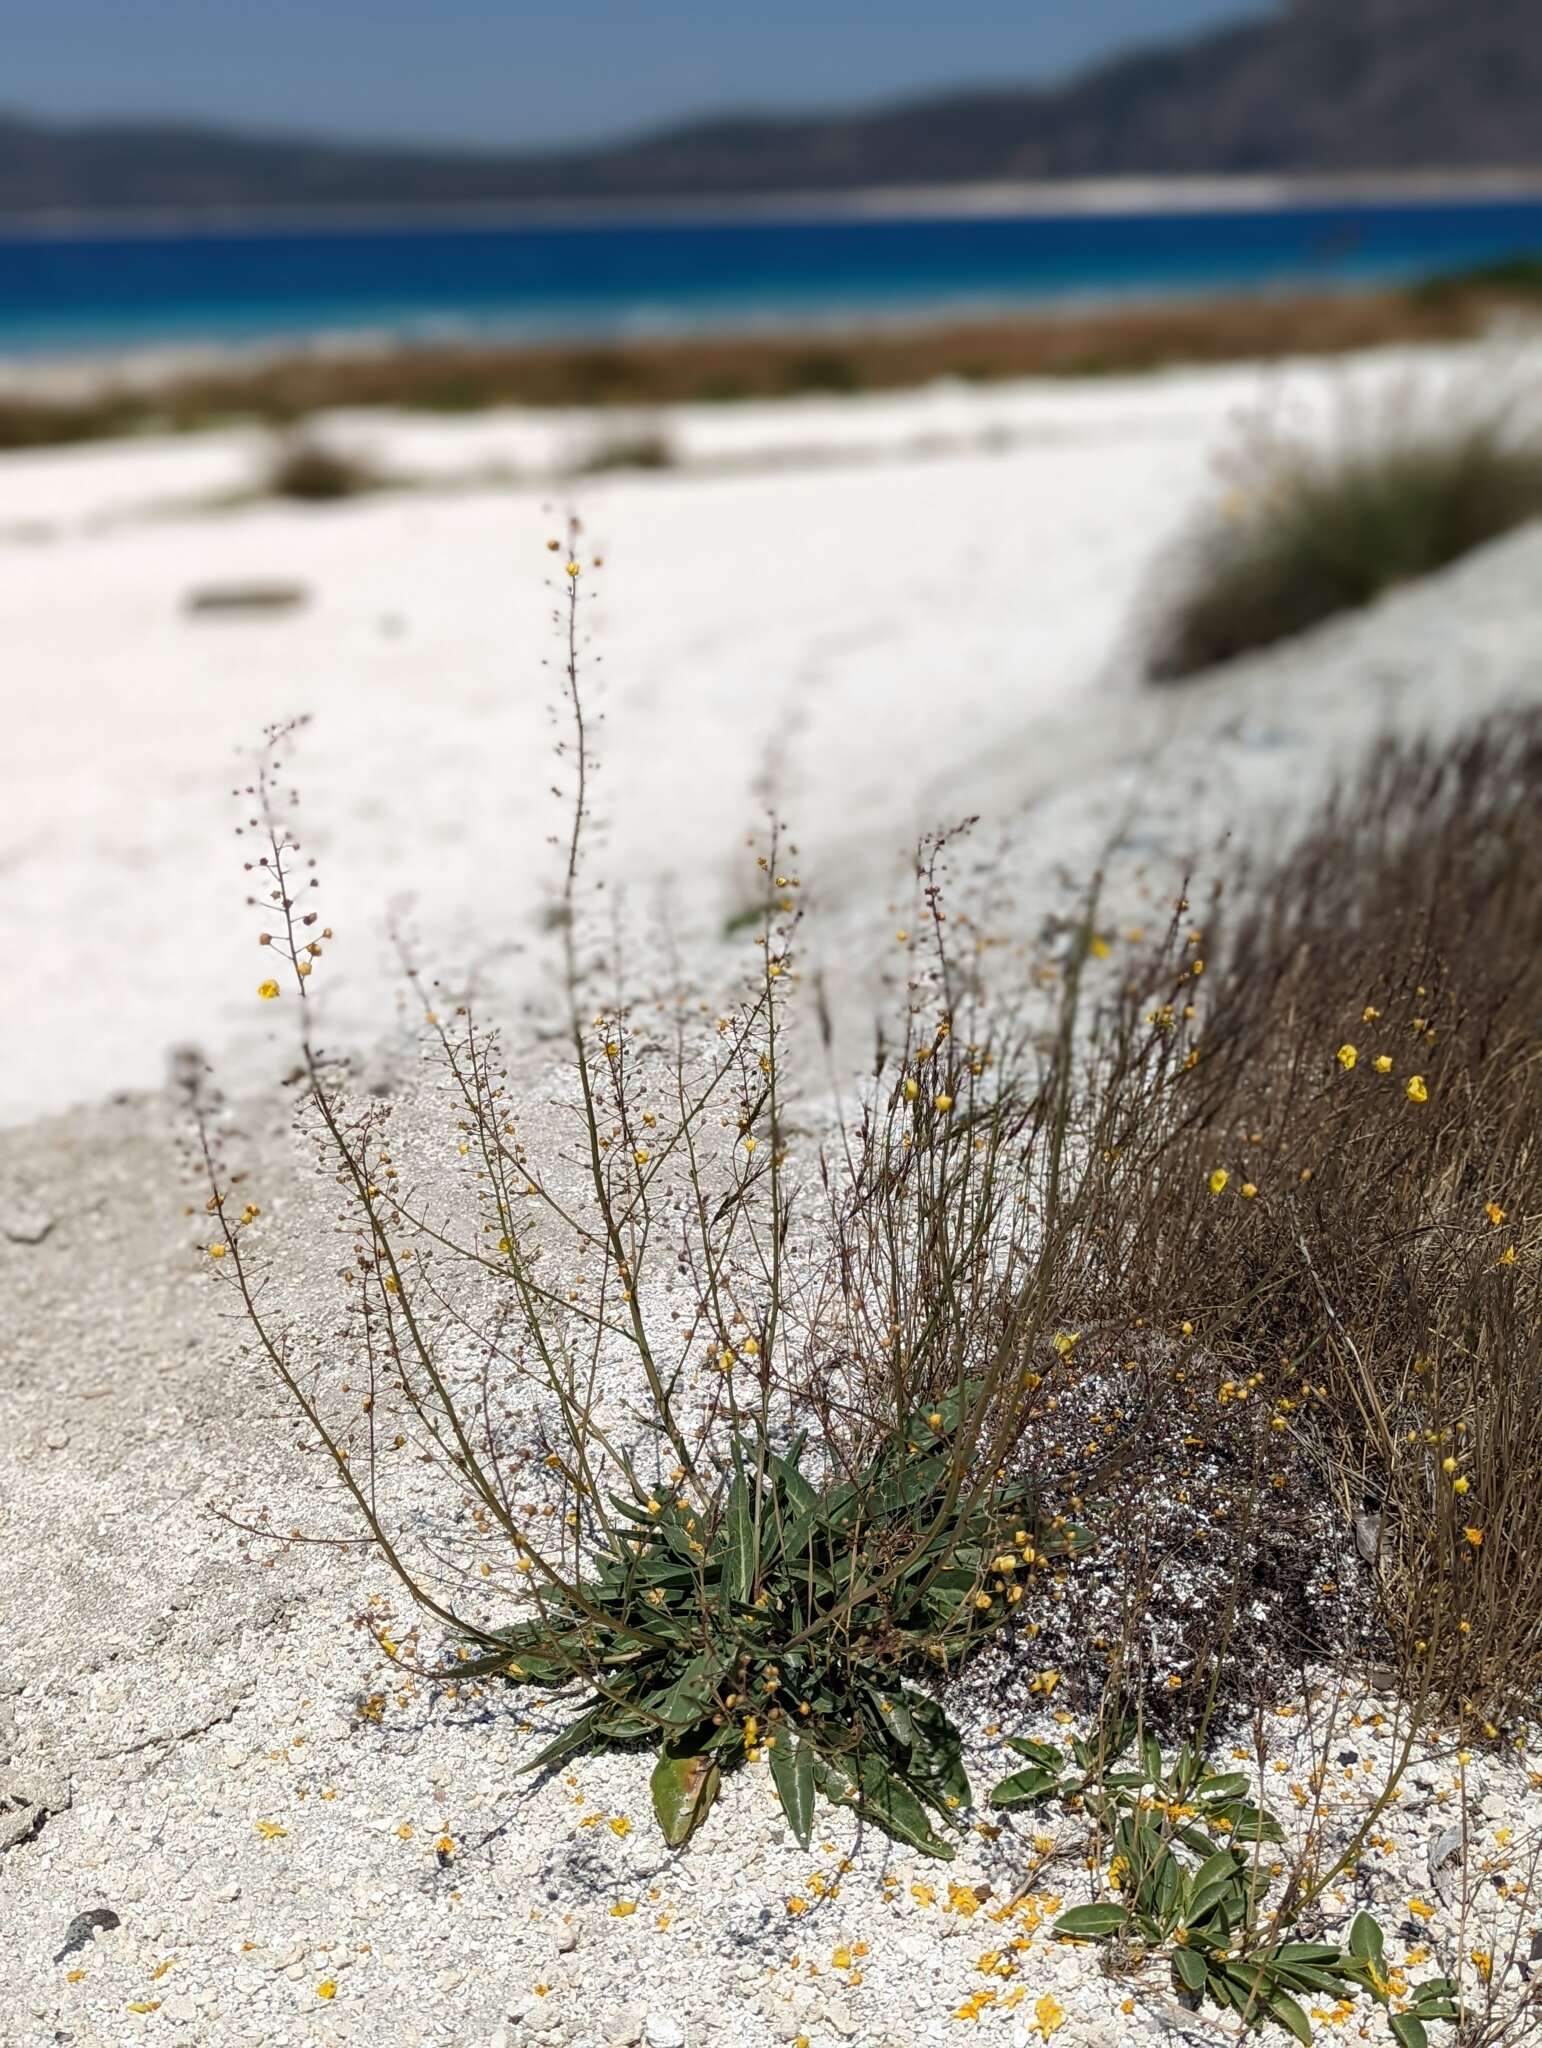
{"x": 316, "y": 473}
{"x": 641, "y": 450}
{"x": 1312, "y": 529}
{"x": 1339, "y": 1198}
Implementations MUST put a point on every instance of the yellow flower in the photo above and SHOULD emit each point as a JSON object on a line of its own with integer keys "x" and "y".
{"x": 641, "y": 1155}
{"x": 623, "y": 1908}
{"x": 942, "y": 1104}
{"x": 912, "y": 1090}
{"x": 217, "y": 1251}
{"x": 328, "y": 1989}
{"x": 1048, "y": 2016}
{"x": 268, "y": 990}
{"x": 1474, "y": 1537}
{"x": 619, "y": 1825}
{"x": 1494, "y": 1213}
{"x": 1460, "y": 1485}
{"x": 1506, "y": 1257}
{"x": 1416, "y": 1090}
{"x": 1218, "y": 1180}
{"x": 1382, "y": 1063}
{"x": 1347, "y": 1056}
{"x": 575, "y": 568}
{"x": 270, "y": 1830}
{"x": 1369, "y": 1014}
{"x": 1248, "y": 1191}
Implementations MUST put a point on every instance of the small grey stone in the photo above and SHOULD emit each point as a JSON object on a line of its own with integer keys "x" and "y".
{"x": 1445, "y": 1849}
{"x": 84, "y": 1926}
{"x": 567, "y": 1939}
{"x": 621, "y": 2026}
{"x": 24, "y": 1222}
{"x": 663, "y": 2030}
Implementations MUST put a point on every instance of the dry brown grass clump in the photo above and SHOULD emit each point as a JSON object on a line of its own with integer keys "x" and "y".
{"x": 1341, "y": 1198}
{"x": 312, "y": 472}
{"x": 1312, "y": 529}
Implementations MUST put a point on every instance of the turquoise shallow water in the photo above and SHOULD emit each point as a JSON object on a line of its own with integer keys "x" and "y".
{"x": 74, "y": 292}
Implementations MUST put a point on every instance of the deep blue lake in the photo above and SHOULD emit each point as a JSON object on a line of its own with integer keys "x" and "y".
{"x": 69, "y": 292}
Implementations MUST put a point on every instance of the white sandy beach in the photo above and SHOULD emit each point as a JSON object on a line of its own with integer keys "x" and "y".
{"x": 877, "y": 614}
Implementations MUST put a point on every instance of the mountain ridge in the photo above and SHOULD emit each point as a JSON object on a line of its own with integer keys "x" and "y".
{"x": 1321, "y": 87}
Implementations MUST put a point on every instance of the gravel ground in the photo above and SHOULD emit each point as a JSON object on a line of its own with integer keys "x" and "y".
{"x": 298, "y": 1845}
{"x": 280, "y": 1838}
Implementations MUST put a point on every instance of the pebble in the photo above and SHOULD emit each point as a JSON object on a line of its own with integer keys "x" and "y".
{"x": 663, "y": 2030}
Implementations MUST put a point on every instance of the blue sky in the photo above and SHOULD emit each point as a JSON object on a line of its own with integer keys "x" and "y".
{"x": 510, "y": 72}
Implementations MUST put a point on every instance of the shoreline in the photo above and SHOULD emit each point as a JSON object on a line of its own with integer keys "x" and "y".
{"x": 59, "y": 400}
{"x": 1213, "y": 193}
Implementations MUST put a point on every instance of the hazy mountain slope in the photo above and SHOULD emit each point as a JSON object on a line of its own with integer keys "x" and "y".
{"x": 1330, "y": 85}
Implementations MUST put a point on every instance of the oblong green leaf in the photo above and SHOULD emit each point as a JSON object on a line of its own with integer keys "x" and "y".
{"x": 683, "y": 1789}
{"x": 1024, "y": 1788}
{"x": 885, "y": 1800}
{"x": 1229, "y": 1785}
{"x": 792, "y": 1773}
{"x": 1190, "y": 1969}
{"x": 1365, "y": 1939}
{"x": 1041, "y": 1752}
{"x": 1283, "y": 2007}
{"x": 739, "y": 1542}
{"x": 936, "y": 1755}
{"x": 573, "y": 1738}
{"x": 1093, "y": 1923}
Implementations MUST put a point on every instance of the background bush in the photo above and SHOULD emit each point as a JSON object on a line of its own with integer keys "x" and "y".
{"x": 1311, "y": 529}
